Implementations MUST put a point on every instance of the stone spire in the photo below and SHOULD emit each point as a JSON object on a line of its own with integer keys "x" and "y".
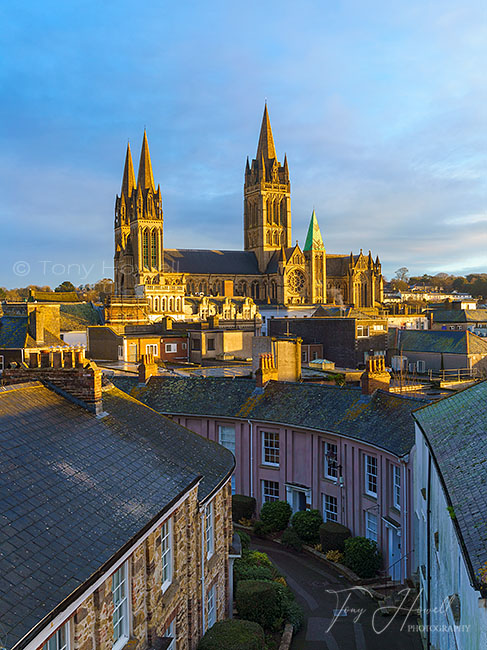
{"x": 145, "y": 179}
{"x": 266, "y": 147}
{"x": 314, "y": 240}
{"x": 128, "y": 179}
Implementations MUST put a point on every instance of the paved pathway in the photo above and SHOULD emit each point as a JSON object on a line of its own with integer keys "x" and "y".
{"x": 338, "y": 616}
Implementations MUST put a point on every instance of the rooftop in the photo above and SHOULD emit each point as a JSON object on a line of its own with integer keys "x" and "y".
{"x": 76, "y": 488}
{"x": 439, "y": 341}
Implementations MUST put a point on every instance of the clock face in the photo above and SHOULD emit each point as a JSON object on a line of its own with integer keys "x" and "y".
{"x": 296, "y": 281}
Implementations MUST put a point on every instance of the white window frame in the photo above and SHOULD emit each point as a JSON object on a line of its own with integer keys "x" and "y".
{"x": 211, "y": 607}
{"x": 330, "y": 508}
{"x": 166, "y": 554}
{"x": 370, "y": 462}
{"x": 305, "y": 356}
{"x": 152, "y": 348}
{"x": 364, "y": 331}
{"x": 266, "y": 491}
{"x": 171, "y": 347}
{"x": 421, "y": 366}
{"x": 228, "y": 441}
{"x": 371, "y": 526}
{"x": 328, "y": 463}
{"x": 396, "y": 486}
{"x": 171, "y": 632}
{"x": 56, "y": 641}
{"x": 270, "y": 448}
{"x": 121, "y": 605}
{"x": 209, "y": 530}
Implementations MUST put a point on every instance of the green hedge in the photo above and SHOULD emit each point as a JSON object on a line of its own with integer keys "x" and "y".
{"x": 291, "y": 539}
{"x": 276, "y": 514}
{"x": 333, "y": 536}
{"x": 244, "y": 540}
{"x": 234, "y": 635}
{"x": 362, "y": 556}
{"x": 243, "y": 507}
{"x": 261, "y": 602}
{"x": 244, "y": 571}
{"x": 307, "y": 524}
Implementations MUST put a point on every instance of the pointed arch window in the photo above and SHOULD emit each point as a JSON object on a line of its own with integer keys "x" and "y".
{"x": 145, "y": 248}
{"x": 154, "y": 248}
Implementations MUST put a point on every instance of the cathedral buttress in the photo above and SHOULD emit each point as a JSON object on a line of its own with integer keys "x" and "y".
{"x": 267, "y": 199}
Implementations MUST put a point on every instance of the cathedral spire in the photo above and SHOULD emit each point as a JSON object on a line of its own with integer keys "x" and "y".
{"x": 128, "y": 179}
{"x": 314, "y": 240}
{"x": 266, "y": 146}
{"x": 145, "y": 179}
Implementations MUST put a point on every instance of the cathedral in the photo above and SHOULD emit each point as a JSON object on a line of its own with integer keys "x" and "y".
{"x": 270, "y": 269}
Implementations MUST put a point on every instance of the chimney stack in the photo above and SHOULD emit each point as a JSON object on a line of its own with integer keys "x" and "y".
{"x": 147, "y": 368}
{"x": 375, "y": 376}
{"x": 266, "y": 371}
{"x": 55, "y": 369}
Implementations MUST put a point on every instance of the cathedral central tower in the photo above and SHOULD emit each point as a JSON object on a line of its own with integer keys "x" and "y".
{"x": 267, "y": 199}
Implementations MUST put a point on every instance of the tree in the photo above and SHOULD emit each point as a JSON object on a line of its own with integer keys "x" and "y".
{"x": 402, "y": 274}
{"x": 65, "y": 286}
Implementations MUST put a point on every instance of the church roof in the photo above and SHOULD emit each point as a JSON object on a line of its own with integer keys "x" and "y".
{"x": 314, "y": 240}
{"x": 180, "y": 260}
{"x": 338, "y": 265}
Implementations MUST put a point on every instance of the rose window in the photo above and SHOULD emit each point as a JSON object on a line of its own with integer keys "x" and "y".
{"x": 295, "y": 281}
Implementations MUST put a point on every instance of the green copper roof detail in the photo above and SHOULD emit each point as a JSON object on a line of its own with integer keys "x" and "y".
{"x": 314, "y": 240}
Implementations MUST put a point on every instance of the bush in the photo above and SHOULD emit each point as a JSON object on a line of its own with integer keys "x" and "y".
{"x": 243, "y": 507}
{"x": 334, "y": 556}
{"x": 234, "y": 634}
{"x": 307, "y": 525}
{"x": 261, "y": 529}
{"x": 243, "y": 571}
{"x": 261, "y": 602}
{"x": 257, "y": 558}
{"x": 276, "y": 514}
{"x": 362, "y": 556}
{"x": 294, "y": 614}
{"x": 291, "y": 539}
{"x": 244, "y": 540}
{"x": 333, "y": 536}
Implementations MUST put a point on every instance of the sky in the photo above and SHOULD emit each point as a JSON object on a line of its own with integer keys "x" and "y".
{"x": 380, "y": 106}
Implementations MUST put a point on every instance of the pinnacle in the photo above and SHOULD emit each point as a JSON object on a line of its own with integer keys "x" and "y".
{"x": 145, "y": 179}
{"x": 128, "y": 178}
{"x": 266, "y": 146}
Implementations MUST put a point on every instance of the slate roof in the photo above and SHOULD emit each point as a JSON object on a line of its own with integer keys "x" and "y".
{"x": 337, "y": 265}
{"x": 14, "y": 334}
{"x": 78, "y": 316}
{"x": 53, "y": 296}
{"x": 460, "y": 315}
{"x": 456, "y": 430}
{"x": 438, "y": 341}
{"x": 74, "y": 489}
{"x": 206, "y": 261}
{"x": 383, "y": 420}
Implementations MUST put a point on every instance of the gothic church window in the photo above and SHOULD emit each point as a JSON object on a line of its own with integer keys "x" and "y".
{"x": 154, "y": 248}
{"x": 145, "y": 248}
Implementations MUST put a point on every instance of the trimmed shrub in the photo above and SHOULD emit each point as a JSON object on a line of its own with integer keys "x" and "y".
{"x": 244, "y": 540}
{"x": 257, "y": 558}
{"x": 307, "y": 524}
{"x": 333, "y": 536}
{"x": 362, "y": 556}
{"x": 243, "y": 507}
{"x": 294, "y": 614}
{"x": 276, "y": 514}
{"x": 291, "y": 539}
{"x": 261, "y": 602}
{"x": 244, "y": 571}
{"x": 261, "y": 529}
{"x": 234, "y": 634}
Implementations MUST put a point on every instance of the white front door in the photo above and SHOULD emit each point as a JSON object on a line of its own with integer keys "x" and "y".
{"x": 296, "y": 498}
{"x": 394, "y": 554}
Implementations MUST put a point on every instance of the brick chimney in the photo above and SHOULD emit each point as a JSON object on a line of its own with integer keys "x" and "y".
{"x": 147, "y": 368}
{"x": 65, "y": 369}
{"x": 37, "y": 325}
{"x": 375, "y": 376}
{"x": 266, "y": 371}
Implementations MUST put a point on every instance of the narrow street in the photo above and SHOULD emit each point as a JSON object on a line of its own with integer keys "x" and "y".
{"x": 338, "y": 615}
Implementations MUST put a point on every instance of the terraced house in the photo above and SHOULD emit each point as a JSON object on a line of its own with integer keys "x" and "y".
{"x": 338, "y": 450}
{"x": 115, "y": 521}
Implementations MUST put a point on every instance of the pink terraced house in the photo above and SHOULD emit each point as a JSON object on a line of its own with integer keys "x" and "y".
{"x": 317, "y": 446}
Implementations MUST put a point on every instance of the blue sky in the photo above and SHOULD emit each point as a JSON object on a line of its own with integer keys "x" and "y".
{"x": 381, "y": 108}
